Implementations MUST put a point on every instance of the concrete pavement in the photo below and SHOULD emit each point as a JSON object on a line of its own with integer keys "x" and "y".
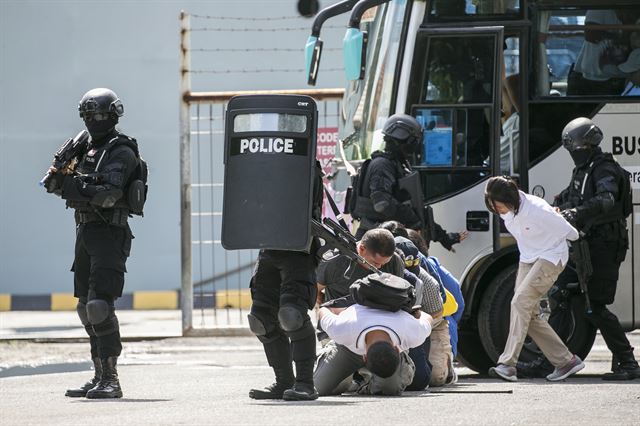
{"x": 206, "y": 380}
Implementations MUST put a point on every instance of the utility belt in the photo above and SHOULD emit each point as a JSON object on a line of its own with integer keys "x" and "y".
{"x": 364, "y": 209}
{"x": 116, "y": 217}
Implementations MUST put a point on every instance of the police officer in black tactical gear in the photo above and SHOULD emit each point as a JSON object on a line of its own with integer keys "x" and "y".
{"x": 380, "y": 198}
{"x": 97, "y": 190}
{"x": 594, "y": 203}
{"x": 283, "y": 289}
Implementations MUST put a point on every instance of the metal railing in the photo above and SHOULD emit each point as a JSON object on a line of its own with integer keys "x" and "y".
{"x": 214, "y": 281}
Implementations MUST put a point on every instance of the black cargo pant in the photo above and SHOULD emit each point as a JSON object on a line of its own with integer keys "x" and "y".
{"x": 101, "y": 252}
{"x": 284, "y": 279}
{"x": 606, "y": 257}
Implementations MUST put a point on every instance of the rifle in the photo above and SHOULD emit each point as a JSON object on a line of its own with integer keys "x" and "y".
{"x": 584, "y": 268}
{"x": 335, "y": 236}
{"x": 64, "y": 159}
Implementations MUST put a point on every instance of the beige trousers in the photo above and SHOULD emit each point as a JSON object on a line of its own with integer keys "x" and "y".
{"x": 440, "y": 354}
{"x": 532, "y": 283}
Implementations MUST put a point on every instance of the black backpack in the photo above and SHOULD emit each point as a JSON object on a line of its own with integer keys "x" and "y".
{"x": 355, "y": 190}
{"x": 136, "y": 191}
{"x": 138, "y": 188}
{"x": 385, "y": 291}
{"x": 626, "y": 192}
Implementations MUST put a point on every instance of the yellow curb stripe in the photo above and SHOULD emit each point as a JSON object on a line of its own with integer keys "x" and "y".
{"x": 233, "y": 299}
{"x": 5, "y": 302}
{"x": 155, "y": 300}
{"x": 63, "y": 302}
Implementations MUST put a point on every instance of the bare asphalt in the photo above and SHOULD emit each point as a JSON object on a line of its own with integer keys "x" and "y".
{"x": 175, "y": 380}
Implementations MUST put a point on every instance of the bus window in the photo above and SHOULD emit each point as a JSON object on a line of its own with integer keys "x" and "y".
{"x": 586, "y": 52}
{"x": 456, "y": 9}
{"x": 451, "y": 139}
{"x": 459, "y": 70}
{"x": 511, "y": 107}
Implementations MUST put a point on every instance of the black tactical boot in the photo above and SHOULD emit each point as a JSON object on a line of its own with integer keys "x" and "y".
{"x": 303, "y": 389}
{"x": 623, "y": 367}
{"x": 82, "y": 390}
{"x": 108, "y": 386}
{"x": 284, "y": 380}
{"x": 537, "y": 368}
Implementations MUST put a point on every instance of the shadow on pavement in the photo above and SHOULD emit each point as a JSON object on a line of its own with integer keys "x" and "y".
{"x": 92, "y": 401}
{"x": 67, "y": 367}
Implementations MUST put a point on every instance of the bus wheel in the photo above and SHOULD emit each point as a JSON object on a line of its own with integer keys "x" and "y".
{"x": 471, "y": 352}
{"x": 567, "y": 318}
{"x": 493, "y": 315}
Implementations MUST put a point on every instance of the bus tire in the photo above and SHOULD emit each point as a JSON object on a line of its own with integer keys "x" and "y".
{"x": 493, "y": 315}
{"x": 493, "y": 321}
{"x": 471, "y": 352}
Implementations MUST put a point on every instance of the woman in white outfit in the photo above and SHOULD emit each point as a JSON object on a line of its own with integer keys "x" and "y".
{"x": 541, "y": 234}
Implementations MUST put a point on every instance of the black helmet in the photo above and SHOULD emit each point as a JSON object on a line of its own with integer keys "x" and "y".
{"x": 403, "y": 129}
{"x": 100, "y": 109}
{"x": 581, "y": 134}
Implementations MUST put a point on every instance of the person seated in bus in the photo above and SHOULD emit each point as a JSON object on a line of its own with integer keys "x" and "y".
{"x": 594, "y": 72}
{"x": 541, "y": 234}
{"x": 631, "y": 68}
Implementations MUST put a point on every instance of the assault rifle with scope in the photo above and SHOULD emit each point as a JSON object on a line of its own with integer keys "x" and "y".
{"x": 65, "y": 158}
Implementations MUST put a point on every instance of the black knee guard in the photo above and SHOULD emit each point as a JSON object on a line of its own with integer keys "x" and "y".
{"x": 97, "y": 311}
{"x": 101, "y": 315}
{"x": 263, "y": 323}
{"x": 291, "y": 318}
{"x": 298, "y": 327}
{"x": 81, "y": 309}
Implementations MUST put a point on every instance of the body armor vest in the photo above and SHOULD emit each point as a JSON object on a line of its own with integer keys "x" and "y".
{"x": 583, "y": 188}
{"x": 91, "y": 163}
{"x": 363, "y": 205}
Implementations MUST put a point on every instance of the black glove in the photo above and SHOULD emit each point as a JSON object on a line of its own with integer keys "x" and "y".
{"x": 571, "y": 216}
{"x": 54, "y": 183}
{"x": 449, "y": 239}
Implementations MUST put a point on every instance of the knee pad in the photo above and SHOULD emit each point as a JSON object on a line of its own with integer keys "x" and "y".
{"x": 97, "y": 311}
{"x": 263, "y": 323}
{"x": 290, "y": 317}
{"x": 256, "y": 325}
{"x": 109, "y": 326}
{"x": 81, "y": 309}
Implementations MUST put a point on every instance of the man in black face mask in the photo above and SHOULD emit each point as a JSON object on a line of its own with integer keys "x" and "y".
{"x": 97, "y": 190}
{"x": 595, "y": 204}
{"x": 379, "y": 197}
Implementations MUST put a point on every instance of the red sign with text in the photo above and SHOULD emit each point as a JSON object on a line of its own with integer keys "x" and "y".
{"x": 327, "y": 143}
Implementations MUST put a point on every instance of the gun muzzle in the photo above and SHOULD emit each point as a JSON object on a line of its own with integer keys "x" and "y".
{"x": 45, "y": 179}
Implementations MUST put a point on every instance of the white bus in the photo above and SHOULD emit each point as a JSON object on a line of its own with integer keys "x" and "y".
{"x": 494, "y": 82}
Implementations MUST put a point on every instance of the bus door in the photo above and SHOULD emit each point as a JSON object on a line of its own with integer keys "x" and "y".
{"x": 454, "y": 92}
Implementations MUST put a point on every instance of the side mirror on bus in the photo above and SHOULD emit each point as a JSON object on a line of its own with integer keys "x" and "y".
{"x": 354, "y": 49}
{"x": 312, "y": 53}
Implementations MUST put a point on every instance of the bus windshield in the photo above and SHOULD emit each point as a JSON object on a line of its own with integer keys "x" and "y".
{"x": 367, "y": 102}
{"x": 442, "y": 10}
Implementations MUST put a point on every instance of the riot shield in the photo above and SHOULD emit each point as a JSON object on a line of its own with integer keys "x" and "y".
{"x": 270, "y": 149}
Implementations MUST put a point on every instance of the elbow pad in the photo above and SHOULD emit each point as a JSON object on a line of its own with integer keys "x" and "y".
{"x": 606, "y": 201}
{"x": 382, "y": 203}
{"x": 106, "y": 198}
